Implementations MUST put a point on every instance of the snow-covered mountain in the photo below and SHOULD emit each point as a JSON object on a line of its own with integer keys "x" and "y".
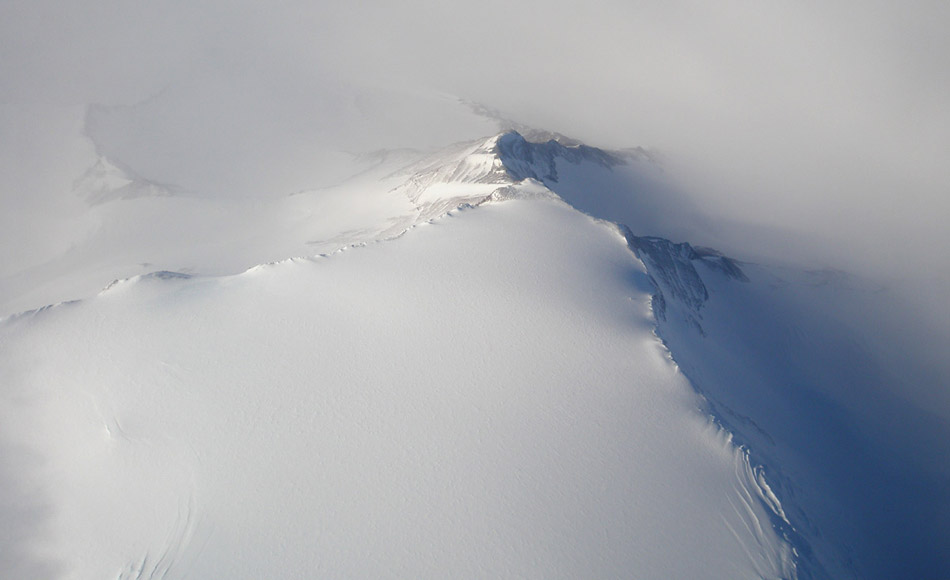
{"x": 502, "y": 359}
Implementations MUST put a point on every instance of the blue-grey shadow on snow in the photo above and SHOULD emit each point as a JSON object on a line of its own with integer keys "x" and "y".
{"x": 859, "y": 466}
{"x": 793, "y": 364}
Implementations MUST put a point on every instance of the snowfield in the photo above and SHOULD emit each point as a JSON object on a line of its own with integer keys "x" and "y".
{"x": 499, "y": 359}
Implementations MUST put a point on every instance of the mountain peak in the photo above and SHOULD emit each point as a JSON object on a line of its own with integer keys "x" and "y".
{"x": 471, "y": 172}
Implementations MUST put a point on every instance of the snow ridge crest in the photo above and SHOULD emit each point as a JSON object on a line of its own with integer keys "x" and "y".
{"x": 504, "y": 166}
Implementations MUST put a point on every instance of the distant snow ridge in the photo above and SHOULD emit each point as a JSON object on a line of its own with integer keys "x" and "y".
{"x": 104, "y": 181}
{"x": 524, "y": 159}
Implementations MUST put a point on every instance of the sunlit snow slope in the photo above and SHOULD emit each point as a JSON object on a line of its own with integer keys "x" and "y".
{"x": 483, "y": 396}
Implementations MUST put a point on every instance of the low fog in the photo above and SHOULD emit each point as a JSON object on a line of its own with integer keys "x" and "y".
{"x": 826, "y": 120}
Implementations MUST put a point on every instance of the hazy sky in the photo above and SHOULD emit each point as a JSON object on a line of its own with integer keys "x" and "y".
{"x": 826, "y": 118}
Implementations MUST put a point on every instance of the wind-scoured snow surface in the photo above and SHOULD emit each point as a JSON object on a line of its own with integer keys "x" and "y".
{"x": 483, "y": 396}
{"x": 500, "y": 359}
